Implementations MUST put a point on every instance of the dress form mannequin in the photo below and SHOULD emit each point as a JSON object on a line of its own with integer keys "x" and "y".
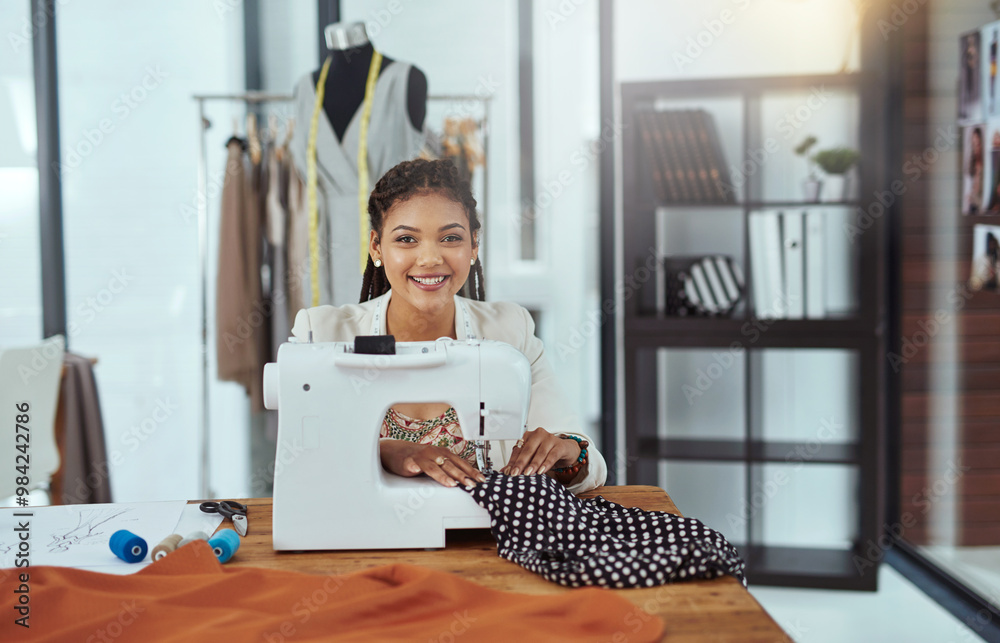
{"x": 351, "y": 54}
{"x": 333, "y": 245}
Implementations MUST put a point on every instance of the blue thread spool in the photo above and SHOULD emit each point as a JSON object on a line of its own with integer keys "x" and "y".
{"x": 224, "y": 544}
{"x": 128, "y": 546}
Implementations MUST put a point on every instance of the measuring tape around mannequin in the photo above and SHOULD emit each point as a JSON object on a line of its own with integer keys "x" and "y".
{"x": 311, "y": 170}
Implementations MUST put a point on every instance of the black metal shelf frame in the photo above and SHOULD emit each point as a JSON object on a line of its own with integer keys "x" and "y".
{"x": 861, "y": 332}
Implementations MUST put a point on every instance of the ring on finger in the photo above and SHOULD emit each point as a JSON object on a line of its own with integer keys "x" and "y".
{"x": 519, "y": 443}
{"x": 439, "y": 460}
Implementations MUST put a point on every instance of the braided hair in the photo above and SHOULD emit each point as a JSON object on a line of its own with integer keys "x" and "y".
{"x": 409, "y": 179}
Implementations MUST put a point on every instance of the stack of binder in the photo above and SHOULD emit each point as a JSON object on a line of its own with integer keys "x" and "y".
{"x": 684, "y": 153}
{"x": 787, "y": 264}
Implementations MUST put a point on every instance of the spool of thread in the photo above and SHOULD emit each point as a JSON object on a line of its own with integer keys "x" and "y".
{"x": 224, "y": 544}
{"x": 166, "y": 546}
{"x": 197, "y": 535}
{"x": 127, "y": 546}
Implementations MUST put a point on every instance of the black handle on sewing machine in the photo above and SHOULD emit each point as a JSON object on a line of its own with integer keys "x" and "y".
{"x": 375, "y": 345}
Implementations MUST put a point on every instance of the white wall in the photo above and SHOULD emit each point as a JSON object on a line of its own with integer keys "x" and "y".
{"x": 132, "y": 262}
{"x": 289, "y": 43}
{"x": 20, "y": 265}
{"x": 657, "y": 40}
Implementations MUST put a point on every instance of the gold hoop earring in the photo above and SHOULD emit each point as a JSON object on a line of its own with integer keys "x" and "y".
{"x": 378, "y": 263}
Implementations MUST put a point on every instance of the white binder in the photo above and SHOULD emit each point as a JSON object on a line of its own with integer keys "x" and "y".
{"x": 815, "y": 266}
{"x": 766, "y": 265}
{"x": 793, "y": 241}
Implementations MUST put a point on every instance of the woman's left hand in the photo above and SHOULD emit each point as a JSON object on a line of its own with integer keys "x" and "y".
{"x": 539, "y": 452}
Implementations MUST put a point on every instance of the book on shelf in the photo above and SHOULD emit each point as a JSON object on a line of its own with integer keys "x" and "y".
{"x": 670, "y": 158}
{"x": 684, "y": 154}
{"x": 718, "y": 169}
{"x": 659, "y": 168}
{"x": 649, "y": 157}
{"x": 687, "y": 122}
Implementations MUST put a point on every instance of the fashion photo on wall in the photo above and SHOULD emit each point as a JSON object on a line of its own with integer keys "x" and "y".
{"x": 973, "y": 170}
{"x": 990, "y": 39}
{"x": 969, "y": 101}
{"x": 991, "y": 200}
{"x": 985, "y": 257}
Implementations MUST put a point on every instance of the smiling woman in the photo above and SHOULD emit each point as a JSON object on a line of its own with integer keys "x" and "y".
{"x": 423, "y": 247}
{"x": 409, "y": 194}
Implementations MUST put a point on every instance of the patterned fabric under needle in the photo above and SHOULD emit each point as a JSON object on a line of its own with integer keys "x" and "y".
{"x": 544, "y": 528}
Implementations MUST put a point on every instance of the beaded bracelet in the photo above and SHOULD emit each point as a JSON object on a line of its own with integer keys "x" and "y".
{"x": 570, "y": 472}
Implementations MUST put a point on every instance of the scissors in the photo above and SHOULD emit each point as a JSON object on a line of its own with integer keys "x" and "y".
{"x": 229, "y": 509}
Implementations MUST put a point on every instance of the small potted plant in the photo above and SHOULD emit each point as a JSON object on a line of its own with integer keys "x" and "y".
{"x": 811, "y": 185}
{"x": 835, "y": 163}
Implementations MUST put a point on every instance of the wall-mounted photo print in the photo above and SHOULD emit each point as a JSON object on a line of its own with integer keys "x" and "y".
{"x": 973, "y": 171}
{"x": 969, "y": 103}
{"x": 985, "y": 257}
{"x": 990, "y": 39}
{"x": 992, "y": 169}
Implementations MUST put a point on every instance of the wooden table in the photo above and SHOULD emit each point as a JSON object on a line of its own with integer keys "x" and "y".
{"x": 715, "y": 610}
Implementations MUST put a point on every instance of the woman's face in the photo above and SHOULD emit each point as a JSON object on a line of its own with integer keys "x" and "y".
{"x": 426, "y": 249}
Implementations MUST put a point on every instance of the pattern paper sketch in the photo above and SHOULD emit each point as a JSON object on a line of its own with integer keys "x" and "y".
{"x": 90, "y": 528}
{"x": 79, "y": 535}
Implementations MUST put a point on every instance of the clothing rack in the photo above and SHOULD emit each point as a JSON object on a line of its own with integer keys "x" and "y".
{"x": 249, "y": 98}
{"x": 256, "y": 98}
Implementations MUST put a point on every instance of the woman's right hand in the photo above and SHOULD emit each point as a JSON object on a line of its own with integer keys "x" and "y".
{"x": 409, "y": 459}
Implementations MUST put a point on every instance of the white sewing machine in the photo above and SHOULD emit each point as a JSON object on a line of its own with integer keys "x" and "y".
{"x": 330, "y": 490}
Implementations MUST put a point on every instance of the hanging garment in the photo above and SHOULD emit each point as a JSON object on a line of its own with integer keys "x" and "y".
{"x": 296, "y": 240}
{"x": 275, "y": 223}
{"x": 261, "y": 189}
{"x": 241, "y": 337}
{"x": 391, "y": 139}
{"x": 84, "y": 477}
{"x": 543, "y": 527}
{"x": 188, "y": 596}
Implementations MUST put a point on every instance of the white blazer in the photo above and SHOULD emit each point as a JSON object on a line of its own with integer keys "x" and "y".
{"x": 501, "y": 321}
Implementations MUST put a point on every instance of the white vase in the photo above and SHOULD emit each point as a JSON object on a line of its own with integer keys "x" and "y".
{"x": 835, "y": 187}
{"x": 810, "y": 190}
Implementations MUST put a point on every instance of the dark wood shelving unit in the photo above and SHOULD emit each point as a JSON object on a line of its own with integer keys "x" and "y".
{"x": 740, "y": 450}
{"x": 860, "y": 331}
{"x": 754, "y": 205}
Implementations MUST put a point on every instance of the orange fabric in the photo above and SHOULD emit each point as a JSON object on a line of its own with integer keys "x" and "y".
{"x": 188, "y": 596}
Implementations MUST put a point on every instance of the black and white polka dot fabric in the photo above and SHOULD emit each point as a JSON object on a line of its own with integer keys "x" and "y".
{"x": 544, "y": 528}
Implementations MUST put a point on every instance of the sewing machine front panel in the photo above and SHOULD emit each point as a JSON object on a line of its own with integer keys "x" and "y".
{"x": 331, "y": 404}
